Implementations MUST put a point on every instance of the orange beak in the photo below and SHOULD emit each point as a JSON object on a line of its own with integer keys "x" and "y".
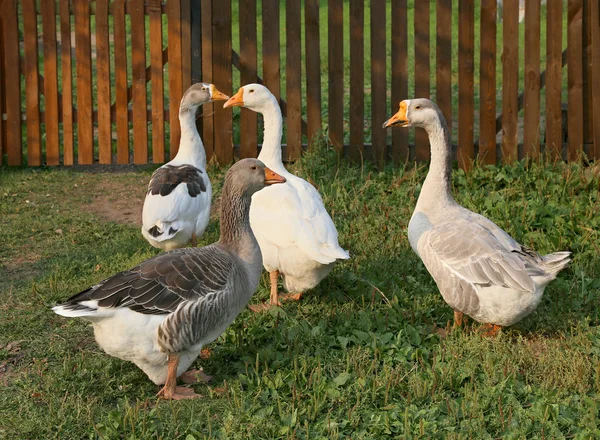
{"x": 236, "y": 100}
{"x": 272, "y": 177}
{"x": 399, "y": 118}
{"x": 215, "y": 95}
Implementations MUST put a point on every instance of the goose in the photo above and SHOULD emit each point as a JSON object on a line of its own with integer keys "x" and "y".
{"x": 296, "y": 235}
{"x": 480, "y": 270}
{"x": 160, "y": 313}
{"x": 177, "y": 205}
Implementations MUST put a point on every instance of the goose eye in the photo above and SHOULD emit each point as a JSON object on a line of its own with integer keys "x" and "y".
{"x": 251, "y": 90}
{"x": 417, "y": 107}
{"x": 203, "y": 88}
{"x": 253, "y": 167}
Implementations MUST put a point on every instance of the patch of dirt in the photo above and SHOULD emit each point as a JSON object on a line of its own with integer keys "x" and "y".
{"x": 118, "y": 201}
{"x": 15, "y": 354}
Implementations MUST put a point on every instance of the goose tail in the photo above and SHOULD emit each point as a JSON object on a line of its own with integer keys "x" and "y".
{"x": 161, "y": 231}
{"x": 556, "y": 261}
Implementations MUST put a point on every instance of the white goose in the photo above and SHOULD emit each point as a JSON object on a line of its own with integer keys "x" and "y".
{"x": 479, "y": 269}
{"x": 296, "y": 235}
{"x": 177, "y": 205}
{"x": 160, "y": 313}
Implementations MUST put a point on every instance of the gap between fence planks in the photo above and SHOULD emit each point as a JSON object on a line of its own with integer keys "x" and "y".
{"x": 422, "y": 72}
{"x": 510, "y": 82}
{"x": 293, "y": 80}
{"x": 313, "y": 69}
{"x": 357, "y": 73}
{"x": 378, "y": 81}
{"x": 443, "y": 68}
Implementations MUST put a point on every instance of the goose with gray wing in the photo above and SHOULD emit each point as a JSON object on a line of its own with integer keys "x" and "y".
{"x": 479, "y": 269}
{"x": 160, "y": 313}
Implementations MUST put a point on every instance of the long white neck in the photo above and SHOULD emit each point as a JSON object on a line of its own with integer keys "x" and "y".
{"x": 191, "y": 148}
{"x": 437, "y": 188}
{"x": 270, "y": 154}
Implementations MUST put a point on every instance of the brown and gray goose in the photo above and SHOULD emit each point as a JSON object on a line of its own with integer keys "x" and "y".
{"x": 479, "y": 269}
{"x": 160, "y": 313}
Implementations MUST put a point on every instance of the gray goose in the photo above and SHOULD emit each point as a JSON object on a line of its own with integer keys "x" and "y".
{"x": 160, "y": 313}
{"x": 479, "y": 269}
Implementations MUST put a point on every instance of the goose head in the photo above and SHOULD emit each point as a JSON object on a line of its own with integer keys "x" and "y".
{"x": 251, "y": 96}
{"x": 419, "y": 112}
{"x": 251, "y": 175}
{"x": 198, "y": 94}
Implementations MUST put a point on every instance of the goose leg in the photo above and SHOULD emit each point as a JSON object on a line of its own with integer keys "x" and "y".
{"x": 274, "y": 299}
{"x": 490, "y": 330}
{"x": 194, "y": 240}
{"x": 171, "y": 390}
{"x": 458, "y": 319}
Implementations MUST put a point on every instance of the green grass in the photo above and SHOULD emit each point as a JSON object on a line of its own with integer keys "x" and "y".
{"x": 362, "y": 356}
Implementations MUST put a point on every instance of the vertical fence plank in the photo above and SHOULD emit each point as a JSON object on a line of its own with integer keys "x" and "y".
{"x": 248, "y": 75}
{"x": 510, "y": 81}
{"x": 378, "y": 81}
{"x": 207, "y": 77}
{"x": 2, "y": 96}
{"x": 293, "y": 80}
{"x": 313, "y": 68}
{"x": 83, "y": 68}
{"x": 157, "y": 80}
{"x": 32, "y": 92}
{"x": 175, "y": 77}
{"x": 466, "y": 33}
{"x": 554, "y": 79}
{"x": 588, "y": 110}
{"x": 595, "y": 76}
{"x": 422, "y": 71}
{"x": 531, "y": 127}
{"x": 67, "y": 82}
{"x": 51, "y": 117}
{"x": 443, "y": 58}
{"x": 399, "y": 75}
{"x": 357, "y": 79}
{"x": 12, "y": 78}
{"x": 575, "y": 78}
{"x": 186, "y": 45}
{"x": 103, "y": 82}
{"x": 121, "y": 100}
{"x": 196, "y": 48}
{"x": 487, "y": 83}
{"x": 138, "y": 77}
{"x": 222, "y": 76}
{"x": 271, "y": 55}
{"x": 335, "y": 41}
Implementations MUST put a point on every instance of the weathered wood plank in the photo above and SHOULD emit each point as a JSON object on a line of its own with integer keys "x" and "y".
{"x": 575, "y": 79}
{"x": 175, "y": 76}
{"x": 293, "y": 80}
{"x": 531, "y": 117}
{"x": 443, "y": 68}
{"x": 222, "y": 76}
{"x": 67, "y": 83}
{"x": 487, "y": 83}
{"x": 103, "y": 82}
{"x": 422, "y": 72}
{"x": 83, "y": 68}
{"x": 32, "y": 91}
{"x": 50, "y": 82}
{"x": 121, "y": 99}
{"x": 595, "y": 77}
{"x": 248, "y": 75}
{"x": 400, "y": 150}
{"x": 10, "y": 37}
{"x": 335, "y": 38}
{"x": 357, "y": 80}
{"x": 157, "y": 81}
{"x": 271, "y": 47}
{"x": 378, "y": 81}
{"x": 553, "y": 80}
{"x": 313, "y": 68}
{"x": 466, "y": 116}
{"x": 510, "y": 82}
{"x": 2, "y": 96}
{"x": 186, "y": 45}
{"x": 138, "y": 77}
{"x": 207, "y": 77}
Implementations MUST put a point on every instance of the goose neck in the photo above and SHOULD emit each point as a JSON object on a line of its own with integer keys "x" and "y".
{"x": 191, "y": 148}
{"x": 236, "y": 233}
{"x": 270, "y": 153}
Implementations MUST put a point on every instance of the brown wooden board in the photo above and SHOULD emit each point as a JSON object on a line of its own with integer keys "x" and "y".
{"x": 175, "y": 76}
{"x": 271, "y": 47}
{"x": 10, "y": 37}
{"x": 2, "y": 96}
{"x": 487, "y": 83}
{"x": 531, "y": 116}
{"x": 399, "y": 76}
{"x": 466, "y": 115}
{"x": 32, "y": 92}
{"x": 67, "y": 83}
{"x": 222, "y": 78}
{"x": 357, "y": 80}
{"x": 121, "y": 99}
{"x": 588, "y": 110}
{"x": 103, "y": 82}
{"x": 83, "y": 69}
{"x": 293, "y": 80}
{"x": 138, "y": 76}
{"x": 335, "y": 41}
{"x": 157, "y": 82}
{"x": 186, "y": 45}
{"x": 207, "y": 77}
{"x": 510, "y": 81}
{"x": 51, "y": 117}
{"x": 313, "y": 68}
{"x": 575, "y": 78}
{"x": 248, "y": 75}
{"x": 378, "y": 81}
{"x": 553, "y": 80}
{"x": 595, "y": 77}
{"x": 422, "y": 72}
{"x": 443, "y": 68}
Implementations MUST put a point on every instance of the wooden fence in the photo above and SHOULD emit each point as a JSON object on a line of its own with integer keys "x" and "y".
{"x": 84, "y": 82}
